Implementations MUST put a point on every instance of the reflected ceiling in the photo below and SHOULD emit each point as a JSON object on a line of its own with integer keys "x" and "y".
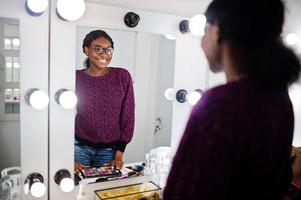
{"x": 186, "y": 8}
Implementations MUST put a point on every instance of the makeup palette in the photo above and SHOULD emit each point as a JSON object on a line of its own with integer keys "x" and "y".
{"x": 104, "y": 172}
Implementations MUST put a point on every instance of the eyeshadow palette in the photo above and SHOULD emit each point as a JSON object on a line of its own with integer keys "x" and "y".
{"x": 104, "y": 172}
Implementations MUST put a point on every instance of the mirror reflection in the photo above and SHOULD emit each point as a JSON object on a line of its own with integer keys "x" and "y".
{"x": 10, "y": 176}
{"x": 9, "y": 93}
{"x": 147, "y": 60}
{"x": 104, "y": 121}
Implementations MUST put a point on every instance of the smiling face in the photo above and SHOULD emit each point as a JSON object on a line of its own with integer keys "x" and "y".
{"x": 99, "y": 53}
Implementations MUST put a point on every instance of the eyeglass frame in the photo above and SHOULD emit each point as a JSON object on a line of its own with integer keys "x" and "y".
{"x": 102, "y": 49}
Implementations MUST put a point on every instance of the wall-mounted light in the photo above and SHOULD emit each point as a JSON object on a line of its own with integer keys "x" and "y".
{"x": 194, "y": 96}
{"x": 184, "y": 26}
{"x": 181, "y": 96}
{"x": 34, "y": 184}
{"x": 8, "y": 65}
{"x": 291, "y": 39}
{"x": 16, "y": 65}
{"x": 131, "y": 19}
{"x": 36, "y": 7}
{"x": 66, "y": 98}
{"x": 170, "y": 94}
{"x": 71, "y": 10}
{"x": 7, "y": 41}
{"x": 63, "y": 179}
{"x": 170, "y": 37}
{"x": 195, "y": 25}
{"x": 16, "y": 42}
{"x": 36, "y": 98}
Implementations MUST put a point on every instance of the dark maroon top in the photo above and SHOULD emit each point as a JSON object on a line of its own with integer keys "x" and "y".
{"x": 236, "y": 145}
{"x": 105, "y": 109}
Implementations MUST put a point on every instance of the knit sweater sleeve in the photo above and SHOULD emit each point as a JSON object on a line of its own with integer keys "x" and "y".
{"x": 127, "y": 119}
{"x": 198, "y": 167}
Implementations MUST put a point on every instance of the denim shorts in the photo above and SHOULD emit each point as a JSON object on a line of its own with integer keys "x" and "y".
{"x": 94, "y": 157}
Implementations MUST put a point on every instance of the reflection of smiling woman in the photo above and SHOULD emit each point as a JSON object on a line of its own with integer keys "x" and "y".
{"x": 104, "y": 122}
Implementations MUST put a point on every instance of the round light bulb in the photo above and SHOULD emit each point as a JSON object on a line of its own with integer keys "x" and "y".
{"x": 67, "y": 185}
{"x": 16, "y": 42}
{"x": 197, "y": 25}
{"x": 37, "y": 189}
{"x": 68, "y": 99}
{"x": 16, "y": 65}
{"x": 169, "y": 94}
{"x": 170, "y": 37}
{"x": 193, "y": 97}
{"x": 9, "y": 65}
{"x": 7, "y": 41}
{"x": 39, "y": 99}
{"x": 26, "y": 188}
{"x": 291, "y": 39}
{"x": 71, "y": 9}
{"x": 37, "y": 6}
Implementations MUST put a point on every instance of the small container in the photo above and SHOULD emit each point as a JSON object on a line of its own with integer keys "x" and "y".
{"x": 146, "y": 191}
{"x": 82, "y": 193}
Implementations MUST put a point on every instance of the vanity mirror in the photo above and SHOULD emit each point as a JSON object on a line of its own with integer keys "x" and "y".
{"x": 9, "y": 93}
{"x": 48, "y": 58}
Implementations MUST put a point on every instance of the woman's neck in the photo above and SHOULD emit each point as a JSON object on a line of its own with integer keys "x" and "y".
{"x": 230, "y": 66}
{"x": 95, "y": 71}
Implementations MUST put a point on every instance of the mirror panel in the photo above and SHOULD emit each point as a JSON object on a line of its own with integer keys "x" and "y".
{"x": 150, "y": 60}
{"x": 9, "y": 93}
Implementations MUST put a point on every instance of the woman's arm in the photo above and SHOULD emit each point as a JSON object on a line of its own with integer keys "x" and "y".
{"x": 201, "y": 164}
{"x": 117, "y": 162}
{"x": 127, "y": 119}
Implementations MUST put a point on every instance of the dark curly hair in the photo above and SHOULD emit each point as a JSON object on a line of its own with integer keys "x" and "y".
{"x": 253, "y": 29}
{"x": 93, "y": 35}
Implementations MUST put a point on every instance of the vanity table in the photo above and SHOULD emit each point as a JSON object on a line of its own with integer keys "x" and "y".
{"x": 89, "y": 175}
{"x": 92, "y": 185}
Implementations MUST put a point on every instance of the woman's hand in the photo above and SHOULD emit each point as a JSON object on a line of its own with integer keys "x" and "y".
{"x": 117, "y": 162}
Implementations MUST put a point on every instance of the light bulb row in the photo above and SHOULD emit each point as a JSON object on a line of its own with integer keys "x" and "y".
{"x": 195, "y": 25}
{"x": 12, "y": 41}
{"x": 39, "y": 99}
{"x": 34, "y": 183}
{"x": 10, "y": 65}
{"x": 183, "y": 95}
{"x": 70, "y": 10}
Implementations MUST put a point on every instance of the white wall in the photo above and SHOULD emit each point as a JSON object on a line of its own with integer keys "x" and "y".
{"x": 165, "y": 79}
{"x": 145, "y": 69}
{"x": 153, "y": 74}
{"x": 190, "y": 74}
{"x": 295, "y": 95}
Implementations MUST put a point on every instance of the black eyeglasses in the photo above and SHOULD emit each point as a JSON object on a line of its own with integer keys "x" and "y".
{"x": 99, "y": 50}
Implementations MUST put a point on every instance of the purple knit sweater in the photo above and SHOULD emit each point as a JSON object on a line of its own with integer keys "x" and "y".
{"x": 105, "y": 109}
{"x": 236, "y": 146}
